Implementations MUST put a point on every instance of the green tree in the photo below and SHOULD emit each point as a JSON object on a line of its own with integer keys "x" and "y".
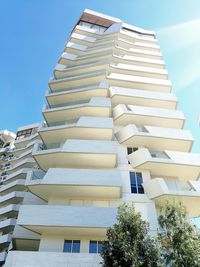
{"x": 129, "y": 244}
{"x": 179, "y": 238}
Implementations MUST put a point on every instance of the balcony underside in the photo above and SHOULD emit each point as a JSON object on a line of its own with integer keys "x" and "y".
{"x": 156, "y": 143}
{"x": 140, "y": 120}
{"x": 78, "y": 94}
{"x": 61, "y": 114}
{"x": 67, "y": 220}
{"x": 191, "y": 203}
{"x": 51, "y": 135}
{"x": 143, "y": 101}
{"x": 74, "y": 160}
{"x": 159, "y": 168}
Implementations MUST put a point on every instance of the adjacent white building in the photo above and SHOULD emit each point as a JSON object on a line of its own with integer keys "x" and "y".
{"x": 111, "y": 134}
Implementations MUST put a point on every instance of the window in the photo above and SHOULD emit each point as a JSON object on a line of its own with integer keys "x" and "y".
{"x": 136, "y": 183}
{"x": 131, "y": 150}
{"x": 71, "y": 246}
{"x": 96, "y": 246}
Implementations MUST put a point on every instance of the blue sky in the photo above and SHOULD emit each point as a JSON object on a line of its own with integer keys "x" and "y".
{"x": 33, "y": 34}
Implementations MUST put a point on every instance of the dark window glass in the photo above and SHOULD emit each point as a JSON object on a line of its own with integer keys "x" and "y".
{"x": 68, "y": 246}
{"x": 136, "y": 183}
{"x": 76, "y": 246}
{"x": 72, "y": 246}
{"x": 93, "y": 247}
{"x": 100, "y": 246}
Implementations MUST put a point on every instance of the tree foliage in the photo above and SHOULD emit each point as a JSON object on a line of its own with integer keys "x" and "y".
{"x": 129, "y": 244}
{"x": 180, "y": 240}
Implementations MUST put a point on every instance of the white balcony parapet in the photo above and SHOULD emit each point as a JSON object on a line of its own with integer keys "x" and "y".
{"x": 87, "y": 40}
{"x": 12, "y": 198}
{"x": 94, "y": 33}
{"x": 19, "y": 174}
{"x": 7, "y": 224}
{"x": 62, "y": 71}
{"x": 98, "y": 128}
{"x": 188, "y": 192}
{"x": 78, "y": 93}
{"x": 142, "y": 83}
{"x": 155, "y": 138}
{"x": 72, "y": 59}
{"x": 78, "y": 154}
{"x": 141, "y": 115}
{"x": 167, "y": 163}
{"x": 26, "y": 163}
{"x": 121, "y": 95}
{"x": 19, "y": 143}
{"x": 138, "y": 52}
{"x": 81, "y": 183}
{"x": 78, "y": 49}
{"x": 3, "y": 256}
{"x": 140, "y": 71}
{"x": 41, "y": 258}
{"x": 138, "y": 61}
{"x": 16, "y": 185}
{"x": 5, "y": 240}
{"x": 96, "y": 106}
{"x": 9, "y": 211}
{"x": 75, "y": 80}
{"x": 18, "y": 151}
{"x": 67, "y": 219}
{"x": 19, "y": 157}
{"x": 138, "y": 44}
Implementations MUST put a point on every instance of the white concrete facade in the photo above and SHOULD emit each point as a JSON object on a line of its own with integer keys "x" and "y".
{"x": 112, "y": 134}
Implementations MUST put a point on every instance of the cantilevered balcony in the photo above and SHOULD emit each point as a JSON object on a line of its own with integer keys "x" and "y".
{"x": 77, "y": 49}
{"x": 62, "y": 71}
{"x": 12, "y": 198}
{"x": 124, "y": 50}
{"x": 25, "y": 258}
{"x": 17, "y": 158}
{"x": 155, "y": 138}
{"x": 26, "y": 163}
{"x": 167, "y": 163}
{"x": 96, "y": 106}
{"x": 17, "y": 185}
{"x": 75, "y": 183}
{"x": 120, "y": 95}
{"x": 77, "y": 154}
{"x": 72, "y": 59}
{"x": 133, "y": 36}
{"x": 79, "y": 93}
{"x": 92, "y": 77}
{"x": 141, "y": 115}
{"x": 135, "y": 70}
{"x": 18, "y": 151}
{"x": 142, "y": 83}
{"x": 9, "y": 211}
{"x": 94, "y": 33}
{"x": 187, "y": 192}
{"x": 7, "y": 225}
{"x": 67, "y": 220}
{"x": 138, "y": 61}
{"x": 13, "y": 176}
{"x": 19, "y": 143}
{"x": 5, "y": 240}
{"x": 89, "y": 128}
{"x": 138, "y": 44}
{"x": 89, "y": 41}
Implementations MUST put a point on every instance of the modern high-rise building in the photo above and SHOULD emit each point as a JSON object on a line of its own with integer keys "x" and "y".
{"x": 112, "y": 134}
